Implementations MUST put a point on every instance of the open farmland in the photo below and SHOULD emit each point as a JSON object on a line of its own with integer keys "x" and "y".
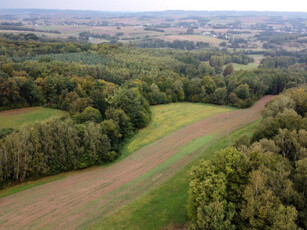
{"x": 15, "y": 118}
{"x": 167, "y": 202}
{"x": 85, "y": 196}
{"x": 154, "y": 120}
{"x": 195, "y": 38}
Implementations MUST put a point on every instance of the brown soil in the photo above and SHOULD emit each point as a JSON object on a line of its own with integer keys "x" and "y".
{"x": 87, "y": 195}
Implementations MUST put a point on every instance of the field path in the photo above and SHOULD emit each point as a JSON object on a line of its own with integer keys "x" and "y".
{"x": 84, "y": 196}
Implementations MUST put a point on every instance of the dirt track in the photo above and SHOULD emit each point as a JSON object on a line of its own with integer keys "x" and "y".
{"x": 83, "y": 196}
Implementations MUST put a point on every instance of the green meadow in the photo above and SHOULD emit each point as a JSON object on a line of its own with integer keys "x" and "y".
{"x": 18, "y": 117}
{"x": 168, "y": 118}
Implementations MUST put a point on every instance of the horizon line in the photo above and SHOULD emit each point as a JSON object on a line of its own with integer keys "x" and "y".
{"x": 155, "y": 11}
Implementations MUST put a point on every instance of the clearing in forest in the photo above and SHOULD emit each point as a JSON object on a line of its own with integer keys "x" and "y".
{"x": 86, "y": 196}
{"x": 15, "y": 118}
{"x": 170, "y": 117}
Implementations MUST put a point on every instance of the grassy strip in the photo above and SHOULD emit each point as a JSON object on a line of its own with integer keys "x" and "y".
{"x": 27, "y": 185}
{"x": 165, "y": 204}
{"x": 189, "y": 149}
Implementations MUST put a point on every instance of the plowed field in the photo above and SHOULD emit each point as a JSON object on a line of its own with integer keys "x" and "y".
{"x": 84, "y": 196}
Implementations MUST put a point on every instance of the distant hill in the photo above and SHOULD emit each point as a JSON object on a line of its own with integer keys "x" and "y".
{"x": 7, "y": 12}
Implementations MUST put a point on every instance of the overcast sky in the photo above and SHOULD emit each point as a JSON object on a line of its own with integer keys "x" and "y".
{"x": 157, "y": 5}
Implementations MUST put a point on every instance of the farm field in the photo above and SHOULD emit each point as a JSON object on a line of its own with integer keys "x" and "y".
{"x": 121, "y": 146}
{"x": 129, "y": 32}
{"x": 15, "y": 118}
{"x": 195, "y": 38}
{"x": 165, "y": 119}
{"x": 27, "y": 185}
{"x": 167, "y": 202}
{"x": 131, "y": 28}
{"x": 168, "y": 118}
{"x": 84, "y": 197}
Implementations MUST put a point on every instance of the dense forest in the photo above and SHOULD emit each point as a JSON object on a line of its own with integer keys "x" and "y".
{"x": 260, "y": 182}
{"x": 107, "y": 90}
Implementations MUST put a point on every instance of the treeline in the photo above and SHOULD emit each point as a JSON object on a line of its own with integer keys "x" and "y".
{"x": 110, "y": 99}
{"x": 220, "y": 60}
{"x": 278, "y": 62}
{"x": 34, "y": 37}
{"x": 87, "y": 58}
{"x": 11, "y": 24}
{"x": 276, "y": 37}
{"x": 237, "y": 43}
{"x": 260, "y": 183}
{"x": 176, "y": 44}
{"x": 301, "y": 55}
{"x": 23, "y": 28}
{"x": 82, "y": 140}
{"x": 240, "y": 89}
{"x": 52, "y": 147}
{"x": 29, "y": 45}
{"x": 154, "y": 29}
{"x": 73, "y": 87}
{"x": 160, "y": 76}
{"x": 85, "y": 36}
